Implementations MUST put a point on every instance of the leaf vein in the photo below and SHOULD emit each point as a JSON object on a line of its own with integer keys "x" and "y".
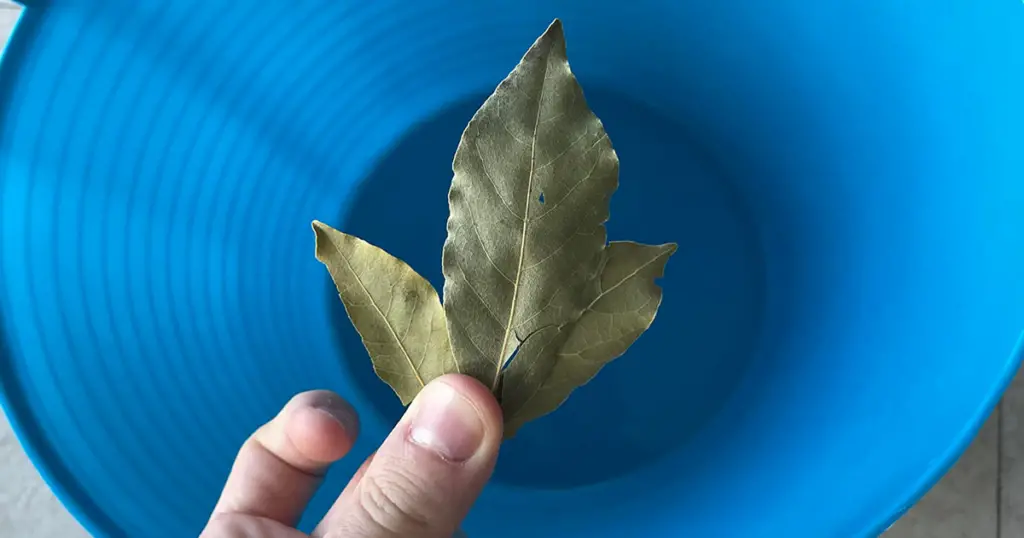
{"x": 500, "y": 360}
{"x": 575, "y": 186}
{"x": 627, "y": 277}
{"x": 427, "y": 339}
{"x": 575, "y": 97}
{"x": 412, "y": 319}
{"x": 576, "y": 233}
{"x": 494, "y": 185}
{"x": 537, "y": 386}
{"x": 469, "y": 337}
{"x": 504, "y": 125}
{"x": 475, "y": 225}
{"x": 487, "y": 308}
{"x": 551, "y": 299}
{"x": 564, "y": 151}
{"x": 387, "y": 323}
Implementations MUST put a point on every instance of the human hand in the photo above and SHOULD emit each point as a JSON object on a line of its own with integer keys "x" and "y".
{"x": 420, "y": 483}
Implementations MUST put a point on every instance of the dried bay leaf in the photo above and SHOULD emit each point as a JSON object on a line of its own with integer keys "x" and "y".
{"x": 396, "y": 312}
{"x": 624, "y": 300}
{"x": 536, "y": 301}
{"x": 533, "y": 177}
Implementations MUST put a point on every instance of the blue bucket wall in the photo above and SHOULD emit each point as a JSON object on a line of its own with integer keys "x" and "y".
{"x": 844, "y": 180}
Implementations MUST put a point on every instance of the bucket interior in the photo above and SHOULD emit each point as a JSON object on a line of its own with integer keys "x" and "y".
{"x": 845, "y": 182}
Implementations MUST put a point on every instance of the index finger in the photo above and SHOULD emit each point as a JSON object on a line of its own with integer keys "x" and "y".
{"x": 279, "y": 467}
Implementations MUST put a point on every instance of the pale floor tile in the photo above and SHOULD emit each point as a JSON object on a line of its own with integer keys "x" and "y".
{"x": 27, "y": 507}
{"x": 964, "y": 503}
{"x": 7, "y": 19}
{"x": 8, "y": 16}
{"x": 1012, "y": 482}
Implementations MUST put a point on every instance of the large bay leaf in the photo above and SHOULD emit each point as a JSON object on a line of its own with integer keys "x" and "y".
{"x": 395, "y": 310}
{"x": 533, "y": 177}
{"x": 624, "y": 300}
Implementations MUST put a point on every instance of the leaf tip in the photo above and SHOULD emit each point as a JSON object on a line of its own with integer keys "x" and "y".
{"x": 554, "y": 35}
{"x": 321, "y": 236}
{"x": 555, "y": 26}
{"x": 668, "y": 250}
{"x": 319, "y": 227}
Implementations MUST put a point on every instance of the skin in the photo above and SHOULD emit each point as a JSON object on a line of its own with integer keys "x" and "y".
{"x": 420, "y": 483}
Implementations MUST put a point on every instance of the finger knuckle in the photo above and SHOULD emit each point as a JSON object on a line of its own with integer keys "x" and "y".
{"x": 397, "y": 502}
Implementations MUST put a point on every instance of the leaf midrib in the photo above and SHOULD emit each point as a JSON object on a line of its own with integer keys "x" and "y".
{"x": 387, "y": 323}
{"x": 654, "y": 259}
{"x": 623, "y": 280}
{"x": 500, "y": 360}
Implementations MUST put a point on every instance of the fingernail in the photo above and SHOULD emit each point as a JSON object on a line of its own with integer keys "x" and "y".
{"x": 340, "y": 411}
{"x": 446, "y": 423}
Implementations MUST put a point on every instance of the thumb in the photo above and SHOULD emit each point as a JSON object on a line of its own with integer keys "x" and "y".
{"x": 426, "y": 475}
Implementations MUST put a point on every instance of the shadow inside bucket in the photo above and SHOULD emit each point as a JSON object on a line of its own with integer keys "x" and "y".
{"x": 651, "y": 400}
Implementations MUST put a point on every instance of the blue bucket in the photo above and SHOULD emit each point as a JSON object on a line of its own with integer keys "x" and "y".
{"x": 845, "y": 181}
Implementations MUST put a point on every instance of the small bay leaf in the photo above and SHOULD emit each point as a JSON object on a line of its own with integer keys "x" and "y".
{"x": 624, "y": 300}
{"x": 396, "y": 312}
{"x": 533, "y": 177}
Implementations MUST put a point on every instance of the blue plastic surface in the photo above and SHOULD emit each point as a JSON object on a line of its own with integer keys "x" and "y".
{"x": 845, "y": 180}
